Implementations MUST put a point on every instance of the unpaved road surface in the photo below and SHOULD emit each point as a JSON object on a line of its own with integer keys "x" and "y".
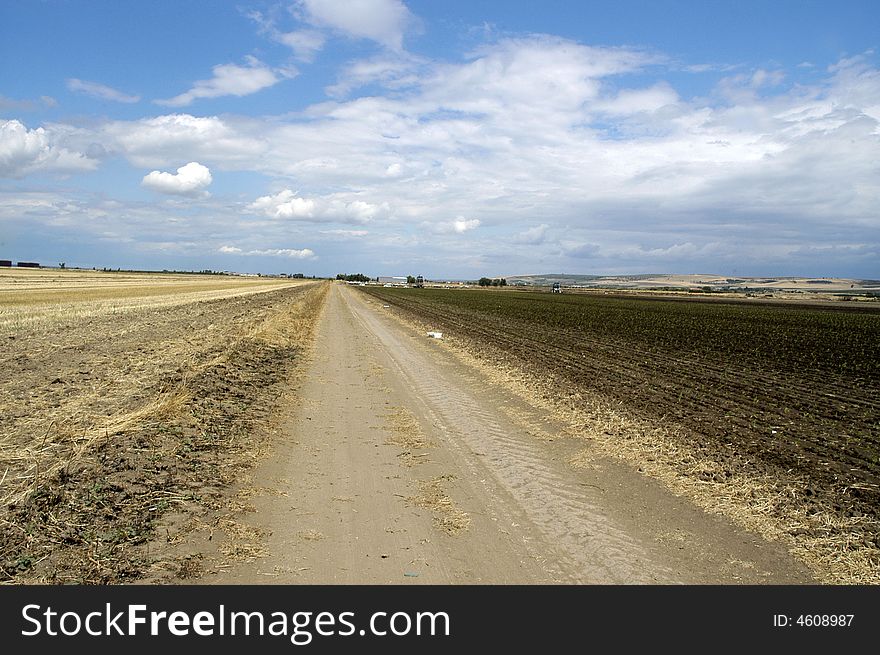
{"x": 399, "y": 464}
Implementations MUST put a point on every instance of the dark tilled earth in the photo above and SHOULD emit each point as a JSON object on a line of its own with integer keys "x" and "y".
{"x": 766, "y": 414}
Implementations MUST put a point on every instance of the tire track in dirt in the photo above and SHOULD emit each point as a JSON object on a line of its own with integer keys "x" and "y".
{"x": 590, "y": 545}
{"x": 401, "y": 465}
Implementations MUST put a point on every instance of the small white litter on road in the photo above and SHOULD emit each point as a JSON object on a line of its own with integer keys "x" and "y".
{"x": 435, "y": 335}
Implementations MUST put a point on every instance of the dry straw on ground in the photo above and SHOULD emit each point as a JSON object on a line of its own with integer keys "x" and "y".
{"x": 432, "y": 496}
{"x": 113, "y": 420}
{"x": 408, "y": 436}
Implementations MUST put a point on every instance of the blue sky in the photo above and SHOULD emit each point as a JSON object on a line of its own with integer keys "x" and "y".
{"x": 451, "y": 139}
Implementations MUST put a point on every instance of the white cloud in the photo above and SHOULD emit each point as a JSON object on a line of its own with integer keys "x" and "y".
{"x": 346, "y": 233}
{"x": 293, "y": 253}
{"x": 533, "y": 236}
{"x": 391, "y": 70}
{"x": 542, "y": 131}
{"x": 461, "y": 224}
{"x": 287, "y": 204}
{"x": 190, "y": 180}
{"x": 383, "y": 21}
{"x": 357, "y": 211}
{"x": 763, "y": 77}
{"x": 24, "y": 151}
{"x": 304, "y": 43}
{"x": 100, "y": 91}
{"x": 531, "y": 79}
{"x": 164, "y": 139}
{"x": 456, "y": 226}
{"x": 232, "y": 80}
{"x": 634, "y": 101}
{"x": 305, "y": 253}
{"x": 581, "y": 250}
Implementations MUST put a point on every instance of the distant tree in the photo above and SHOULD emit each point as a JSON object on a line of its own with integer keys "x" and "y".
{"x": 62, "y": 265}
{"x": 485, "y": 282}
{"x": 410, "y": 279}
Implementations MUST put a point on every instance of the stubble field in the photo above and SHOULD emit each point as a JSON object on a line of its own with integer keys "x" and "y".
{"x": 126, "y": 398}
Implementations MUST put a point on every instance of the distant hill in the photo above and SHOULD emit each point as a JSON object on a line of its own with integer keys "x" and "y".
{"x": 696, "y": 281}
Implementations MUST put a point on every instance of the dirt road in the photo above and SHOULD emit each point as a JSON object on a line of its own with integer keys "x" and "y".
{"x": 399, "y": 464}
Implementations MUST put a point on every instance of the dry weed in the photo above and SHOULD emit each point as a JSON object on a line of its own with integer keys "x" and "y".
{"x": 432, "y": 496}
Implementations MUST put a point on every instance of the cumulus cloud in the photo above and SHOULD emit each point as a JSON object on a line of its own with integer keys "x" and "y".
{"x": 304, "y": 253}
{"x": 383, "y": 21}
{"x": 287, "y": 204}
{"x": 538, "y": 131}
{"x": 156, "y": 141}
{"x": 24, "y": 151}
{"x": 292, "y": 253}
{"x": 232, "y": 80}
{"x": 459, "y": 225}
{"x": 533, "y": 236}
{"x": 581, "y": 250}
{"x": 100, "y": 91}
{"x": 190, "y": 180}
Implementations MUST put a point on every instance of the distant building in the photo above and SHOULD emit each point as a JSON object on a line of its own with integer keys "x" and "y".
{"x": 392, "y": 279}
{"x": 28, "y": 264}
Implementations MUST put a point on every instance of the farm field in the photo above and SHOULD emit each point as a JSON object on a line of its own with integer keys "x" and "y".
{"x": 749, "y": 391}
{"x": 34, "y": 298}
{"x": 127, "y": 398}
{"x": 166, "y": 428}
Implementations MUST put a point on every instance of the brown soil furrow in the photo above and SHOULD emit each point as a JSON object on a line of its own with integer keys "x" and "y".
{"x": 706, "y": 398}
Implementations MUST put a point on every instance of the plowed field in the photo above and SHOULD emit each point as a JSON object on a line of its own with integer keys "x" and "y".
{"x": 766, "y": 387}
